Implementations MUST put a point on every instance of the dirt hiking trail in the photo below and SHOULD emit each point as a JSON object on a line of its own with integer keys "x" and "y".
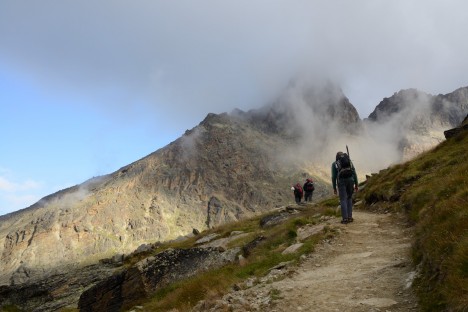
{"x": 366, "y": 267}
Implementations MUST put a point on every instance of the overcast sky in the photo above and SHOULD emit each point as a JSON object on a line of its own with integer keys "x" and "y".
{"x": 87, "y": 87}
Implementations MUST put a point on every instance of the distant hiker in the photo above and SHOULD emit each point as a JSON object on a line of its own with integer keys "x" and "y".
{"x": 298, "y": 192}
{"x": 344, "y": 174}
{"x": 308, "y": 190}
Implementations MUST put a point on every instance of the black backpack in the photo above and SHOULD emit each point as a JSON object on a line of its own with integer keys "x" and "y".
{"x": 343, "y": 165}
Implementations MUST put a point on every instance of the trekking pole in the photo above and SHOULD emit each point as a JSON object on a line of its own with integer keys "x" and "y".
{"x": 350, "y": 161}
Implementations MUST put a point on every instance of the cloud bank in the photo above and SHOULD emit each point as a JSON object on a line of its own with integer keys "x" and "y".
{"x": 320, "y": 121}
{"x": 14, "y": 193}
{"x": 210, "y": 56}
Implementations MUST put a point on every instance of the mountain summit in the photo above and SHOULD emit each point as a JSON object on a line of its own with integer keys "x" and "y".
{"x": 416, "y": 120}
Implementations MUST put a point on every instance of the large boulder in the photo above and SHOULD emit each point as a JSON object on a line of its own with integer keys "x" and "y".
{"x": 453, "y": 132}
{"x": 122, "y": 290}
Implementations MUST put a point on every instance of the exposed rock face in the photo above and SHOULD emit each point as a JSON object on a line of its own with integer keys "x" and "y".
{"x": 121, "y": 290}
{"x": 55, "y": 291}
{"x": 453, "y": 132}
{"x": 423, "y": 109}
{"x": 419, "y": 119}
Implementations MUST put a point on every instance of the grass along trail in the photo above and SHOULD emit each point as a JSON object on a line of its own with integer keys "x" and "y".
{"x": 367, "y": 267}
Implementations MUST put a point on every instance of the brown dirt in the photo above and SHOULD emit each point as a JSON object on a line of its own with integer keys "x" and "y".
{"x": 367, "y": 267}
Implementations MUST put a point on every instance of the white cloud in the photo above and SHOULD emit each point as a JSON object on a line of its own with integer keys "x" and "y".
{"x": 21, "y": 201}
{"x": 15, "y": 195}
{"x": 6, "y": 185}
{"x": 10, "y": 186}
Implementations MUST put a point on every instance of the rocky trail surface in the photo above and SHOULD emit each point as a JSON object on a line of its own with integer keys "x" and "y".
{"x": 367, "y": 267}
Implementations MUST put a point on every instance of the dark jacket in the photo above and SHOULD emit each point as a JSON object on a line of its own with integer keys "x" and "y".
{"x": 335, "y": 178}
{"x": 305, "y": 187}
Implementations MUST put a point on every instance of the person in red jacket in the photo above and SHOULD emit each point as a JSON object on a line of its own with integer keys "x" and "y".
{"x": 298, "y": 192}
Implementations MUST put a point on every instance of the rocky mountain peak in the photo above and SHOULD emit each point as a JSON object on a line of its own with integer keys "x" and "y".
{"x": 303, "y": 104}
{"x": 458, "y": 96}
{"x": 417, "y": 120}
{"x": 451, "y": 107}
{"x": 396, "y": 103}
{"x": 446, "y": 109}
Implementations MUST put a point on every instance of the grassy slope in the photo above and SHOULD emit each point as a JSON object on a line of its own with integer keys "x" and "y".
{"x": 433, "y": 190}
{"x": 183, "y": 295}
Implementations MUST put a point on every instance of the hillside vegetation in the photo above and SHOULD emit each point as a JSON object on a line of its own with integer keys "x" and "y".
{"x": 430, "y": 190}
{"x": 433, "y": 191}
{"x": 261, "y": 246}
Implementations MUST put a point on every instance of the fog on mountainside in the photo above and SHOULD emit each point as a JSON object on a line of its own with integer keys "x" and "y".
{"x": 229, "y": 167}
{"x": 321, "y": 121}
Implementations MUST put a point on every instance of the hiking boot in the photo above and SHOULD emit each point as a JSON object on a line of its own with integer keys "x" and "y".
{"x": 344, "y": 221}
{"x": 350, "y": 219}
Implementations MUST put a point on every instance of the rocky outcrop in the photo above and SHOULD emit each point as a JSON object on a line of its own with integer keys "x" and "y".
{"x": 122, "y": 290}
{"x": 397, "y": 103}
{"x": 423, "y": 109}
{"x": 455, "y": 131}
{"x": 274, "y": 218}
{"x": 417, "y": 119}
{"x": 52, "y": 291}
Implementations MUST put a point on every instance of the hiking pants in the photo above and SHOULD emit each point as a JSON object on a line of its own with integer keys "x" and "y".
{"x": 298, "y": 199}
{"x": 308, "y": 196}
{"x": 345, "y": 190}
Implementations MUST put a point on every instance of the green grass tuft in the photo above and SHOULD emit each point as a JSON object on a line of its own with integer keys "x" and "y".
{"x": 330, "y": 202}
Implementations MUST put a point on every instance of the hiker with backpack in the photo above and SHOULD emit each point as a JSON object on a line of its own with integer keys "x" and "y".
{"x": 308, "y": 190}
{"x": 344, "y": 176}
{"x": 298, "y": 192}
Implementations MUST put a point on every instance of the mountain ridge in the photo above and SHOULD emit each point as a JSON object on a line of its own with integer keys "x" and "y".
{"x": 300, "y": 247}
{"x": 228, "y": 167}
